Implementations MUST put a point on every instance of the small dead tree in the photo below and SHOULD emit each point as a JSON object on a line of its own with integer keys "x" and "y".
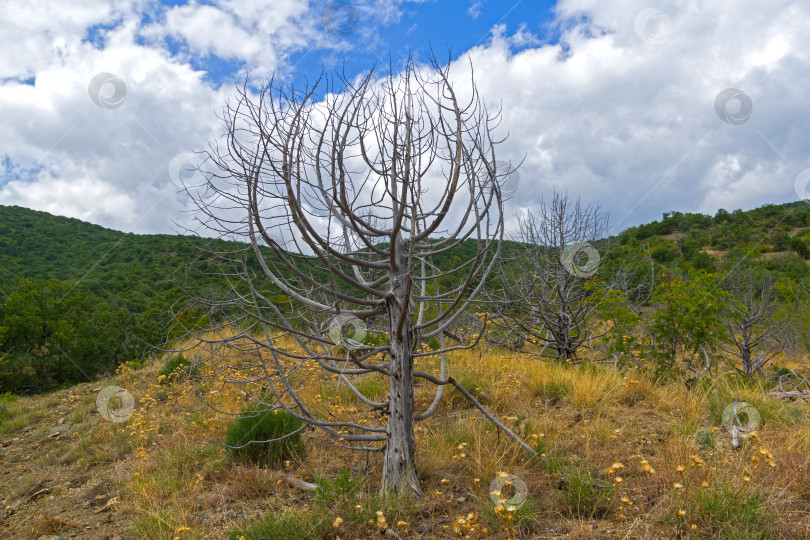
{"x": 541, "y": 298}
{"x": 758, "y": 326}
{"x": 345, "y": 204}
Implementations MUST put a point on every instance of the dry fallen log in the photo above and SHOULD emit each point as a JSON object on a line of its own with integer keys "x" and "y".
{"x": 792, "y": 395}
{"x": 300, "y": 484}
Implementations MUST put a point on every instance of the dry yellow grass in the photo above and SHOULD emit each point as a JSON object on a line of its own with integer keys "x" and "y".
{"x": 611, "y": 446}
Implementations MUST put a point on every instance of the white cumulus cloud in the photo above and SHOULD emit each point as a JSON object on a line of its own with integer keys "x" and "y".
{"x": 618, "y": 108}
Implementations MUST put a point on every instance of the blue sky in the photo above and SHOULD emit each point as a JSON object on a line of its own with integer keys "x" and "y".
{"x": 448, "y": 26}
{"x": 629, "y": 103}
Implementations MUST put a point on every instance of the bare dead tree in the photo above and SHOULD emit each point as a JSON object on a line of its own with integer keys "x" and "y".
{"x": 790, "y": 384}
{"x": 542, "y": 299}
{"x": 757, "y": 324}
{"x": 345, "y": 204}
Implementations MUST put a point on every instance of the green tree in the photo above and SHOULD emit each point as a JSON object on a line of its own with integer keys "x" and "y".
{"x": 55, "y": 334}
{"x": 781, "y": 241}
{"x": 620, "y": 340}
{"x": 722, "y": 216}
{"x": 800, "y": 246}
{"x": 665, "y": 253}
{"x": 703, "y": 261}
{"x": 687, "y": 317}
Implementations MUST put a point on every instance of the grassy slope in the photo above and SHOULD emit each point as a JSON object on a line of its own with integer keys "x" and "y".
{"x": 163, "y": 476}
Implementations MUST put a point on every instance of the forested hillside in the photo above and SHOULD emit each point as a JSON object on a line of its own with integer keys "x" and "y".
{"x": 131, "y": 270}
{"x": 774, "y": 235}
{"x": 79, "y": 299}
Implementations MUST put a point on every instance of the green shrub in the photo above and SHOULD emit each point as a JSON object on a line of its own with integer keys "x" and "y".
{"x": 137, "y": 363}
{"x": 706, "y": 438}
{"x": 799, "y": 246}
{"x": 554, "y": 388}
{"x": 583, "y": 495}
{"x": 259, "y": 424}
{"x": 780, "y": 371}
{"x": 175, "y": 366}
{"x": 526, "y": 518}
{"x": 342, "y": 495}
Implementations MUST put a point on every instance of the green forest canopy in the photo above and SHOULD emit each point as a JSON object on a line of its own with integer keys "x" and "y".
{"x": 78, "y": 299}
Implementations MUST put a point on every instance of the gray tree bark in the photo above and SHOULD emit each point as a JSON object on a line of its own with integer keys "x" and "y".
{"x": 399, "y": 471}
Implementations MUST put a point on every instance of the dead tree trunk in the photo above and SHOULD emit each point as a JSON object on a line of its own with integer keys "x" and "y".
{"x": 759, "y": 324}
{"x": 544, "y": 302}
{"x": 399, "y": 471}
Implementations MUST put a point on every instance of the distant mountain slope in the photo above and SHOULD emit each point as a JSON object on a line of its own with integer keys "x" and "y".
{"x": 136, "y": 270}
{"x": 774, "y": 235}
{"x": 133, "y": 270}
